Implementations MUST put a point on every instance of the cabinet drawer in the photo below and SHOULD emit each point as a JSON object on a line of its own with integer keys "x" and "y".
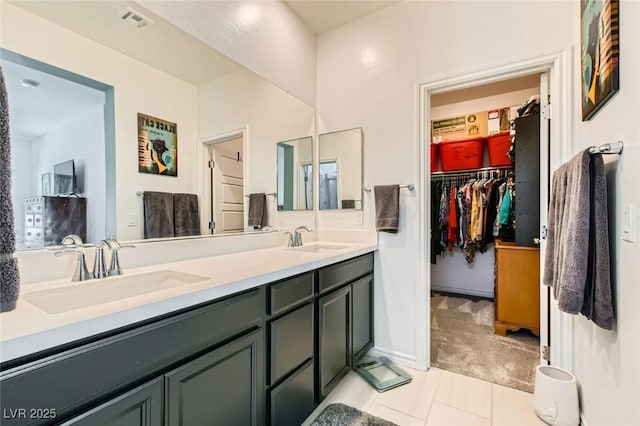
{"x": 290, "y": 292}
{"x": 291, "y": 339}
{"x": 80, "y": 377}
{"x": 342, "y": 273}
{"x": 293, "y": 400}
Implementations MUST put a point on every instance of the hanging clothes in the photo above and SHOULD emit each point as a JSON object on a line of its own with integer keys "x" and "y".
{"x": 436, "y": 193}
{"x": 452, "y": 219}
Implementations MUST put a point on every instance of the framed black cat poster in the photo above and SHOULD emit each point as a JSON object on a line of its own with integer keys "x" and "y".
{"x": 600, "y": 53}
{"x": 157, "y": 146}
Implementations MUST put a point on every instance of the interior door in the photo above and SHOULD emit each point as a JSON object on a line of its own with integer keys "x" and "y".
{"x": 227, "y": 186}
{"x": 545, "y": 117}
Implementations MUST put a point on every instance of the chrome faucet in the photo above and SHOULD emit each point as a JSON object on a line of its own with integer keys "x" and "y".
{"x": 99, "y": 263}
{"x": 295, "y": 238}
{"x": 81, "y": 273}
{"x": 99, "y": 268}
{"x": 269, "y": 228}
{"x": 114, "y": 246}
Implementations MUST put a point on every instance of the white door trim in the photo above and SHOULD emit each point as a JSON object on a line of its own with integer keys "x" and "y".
{"x": 204, "y": 183}
{"x": 558, "y": 65}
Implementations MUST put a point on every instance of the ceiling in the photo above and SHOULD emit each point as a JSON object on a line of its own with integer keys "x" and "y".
{"x": 34, "y": 111}
{"x": 324, "y": 15}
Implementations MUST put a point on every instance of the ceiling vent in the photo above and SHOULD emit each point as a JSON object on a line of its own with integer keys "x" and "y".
{"x": 135, "y": 18}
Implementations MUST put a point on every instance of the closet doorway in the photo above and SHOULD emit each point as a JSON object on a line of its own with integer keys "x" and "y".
{"x": 459, "y": 294}
{"x": 485, "y": 316}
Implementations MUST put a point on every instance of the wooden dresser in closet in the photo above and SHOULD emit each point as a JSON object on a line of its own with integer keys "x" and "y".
{"x": 517, "y": 292}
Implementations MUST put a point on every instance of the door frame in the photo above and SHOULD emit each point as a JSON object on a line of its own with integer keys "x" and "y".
{"x": 204, "y": 180}
{"x": 558, "y": 67}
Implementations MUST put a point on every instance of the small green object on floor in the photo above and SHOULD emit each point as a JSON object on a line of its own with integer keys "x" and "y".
{"x": 381, "y": 373}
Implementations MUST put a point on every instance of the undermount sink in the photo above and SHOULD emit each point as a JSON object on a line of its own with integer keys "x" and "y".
{"x": 319, "y": 248}
{"x": 99, "y": 291}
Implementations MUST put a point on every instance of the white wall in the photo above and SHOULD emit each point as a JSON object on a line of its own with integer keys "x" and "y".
{"x": 80, "y": 139}
{"x": 138, "y": 88}
{"x": 241, "y": 99}
{"x": 368, "y": 75}
{"x": 606, "y": 362}
{"x": 266, "y": 37}
{"x": 23, "y": 181}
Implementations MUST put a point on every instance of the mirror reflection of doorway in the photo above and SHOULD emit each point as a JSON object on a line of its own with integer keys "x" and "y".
{"x": 328, "y": 185}
{"x": 227, "y": 186}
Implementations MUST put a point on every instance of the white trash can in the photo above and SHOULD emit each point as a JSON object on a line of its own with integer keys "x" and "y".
{"x": 555, "y": 396}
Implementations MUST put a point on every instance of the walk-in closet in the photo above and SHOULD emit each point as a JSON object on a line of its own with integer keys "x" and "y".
{"x": 485, "y": 203}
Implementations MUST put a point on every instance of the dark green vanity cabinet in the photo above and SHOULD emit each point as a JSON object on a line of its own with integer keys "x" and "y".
{"x": 266, "y": 356}
{"x": 102, "y": 372}
{"x": 345, "y": 318}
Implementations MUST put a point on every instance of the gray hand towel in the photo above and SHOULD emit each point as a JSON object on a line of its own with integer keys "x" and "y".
{"x": 576, "y": 250}
{"x": 387, "y": 201}
{"x": 257, "y": 210}
{"x": 186, "y": 217}
{"x": 158, "y": 214}
{"x": 9, "y": 276}
{"x": 597, "y": 305}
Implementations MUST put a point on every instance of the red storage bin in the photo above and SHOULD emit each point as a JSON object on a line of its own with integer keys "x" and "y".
{"x": 498, "y": 146}
{"x": 434, "y": 157}
{"x": 462, "y": 155}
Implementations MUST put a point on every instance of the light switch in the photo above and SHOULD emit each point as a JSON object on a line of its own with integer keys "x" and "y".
{"x": 628, "y": 223}
{"x": 132, "y": 219}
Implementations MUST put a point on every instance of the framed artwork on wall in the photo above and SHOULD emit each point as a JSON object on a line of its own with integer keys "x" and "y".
{"x": 157, "y": 146}
{"x": 45, "y": 180}
{"x": 599, "y": 46}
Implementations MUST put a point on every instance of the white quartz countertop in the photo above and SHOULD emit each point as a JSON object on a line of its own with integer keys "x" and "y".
{"x": 28, "y": 329}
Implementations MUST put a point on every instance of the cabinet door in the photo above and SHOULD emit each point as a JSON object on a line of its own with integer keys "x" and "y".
{"x": 141, "y": 406}
{"x": 362, "y": 317}
{"x": 223, "y": 387}
{"x": 334, "y": 351}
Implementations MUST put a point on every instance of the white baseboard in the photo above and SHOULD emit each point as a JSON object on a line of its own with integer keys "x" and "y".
{"x": 397, "y": 357}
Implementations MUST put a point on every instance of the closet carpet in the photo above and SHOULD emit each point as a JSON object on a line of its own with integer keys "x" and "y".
{"x": 463, "y": 341}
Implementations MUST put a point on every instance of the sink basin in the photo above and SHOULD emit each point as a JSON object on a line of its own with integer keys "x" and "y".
{"x": 319, "y": 248}
{"x": 95, "y": 292}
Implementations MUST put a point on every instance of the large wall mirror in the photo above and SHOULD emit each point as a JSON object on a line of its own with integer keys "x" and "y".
{"x": 340, "y": 170}
{"x": 294, "y": 174}
{"x": 96, "y": 140}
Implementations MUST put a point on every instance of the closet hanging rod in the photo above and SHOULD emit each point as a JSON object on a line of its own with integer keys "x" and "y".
{"x": 408, "y": 186}
{"x": 471, "y": 171}
{"x": 607, "y": 148}
{"x": 268, "y": 194}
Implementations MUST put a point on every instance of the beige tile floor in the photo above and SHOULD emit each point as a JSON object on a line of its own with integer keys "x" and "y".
{"x": 437, "y": 397}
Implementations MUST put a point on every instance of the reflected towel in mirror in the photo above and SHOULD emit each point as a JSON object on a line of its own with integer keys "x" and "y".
{"x": 387, "y": 201}
{"x": 186, "y": 217}
{"x": 257, "y": 210}
{"x": 158, "y": 214}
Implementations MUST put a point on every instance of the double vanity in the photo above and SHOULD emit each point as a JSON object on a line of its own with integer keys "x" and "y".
{"x": 254, "y": 337}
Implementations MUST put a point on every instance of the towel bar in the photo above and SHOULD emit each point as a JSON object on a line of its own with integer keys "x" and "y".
{"x": 269, "y": 194}
{"x": 607, "y": 148}
{"x": 408, "y": 186}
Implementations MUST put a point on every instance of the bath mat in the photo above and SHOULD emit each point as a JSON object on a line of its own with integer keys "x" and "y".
{"x": 344, "y": 415}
